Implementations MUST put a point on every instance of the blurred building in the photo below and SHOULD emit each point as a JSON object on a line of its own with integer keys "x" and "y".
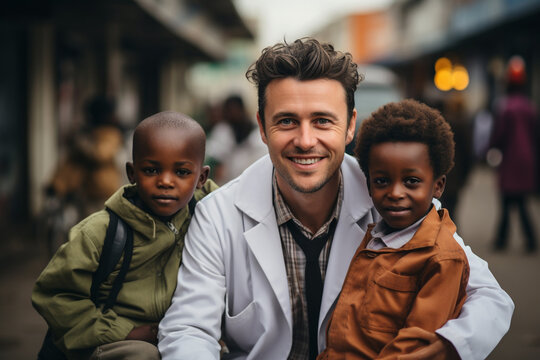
{"x": 57, "y": 54}
{"x": 476, "y": 36}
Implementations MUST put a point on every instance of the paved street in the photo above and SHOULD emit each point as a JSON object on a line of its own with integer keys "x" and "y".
{"x": 21, "y": 329}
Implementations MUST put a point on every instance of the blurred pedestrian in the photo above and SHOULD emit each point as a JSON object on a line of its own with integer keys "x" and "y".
{"x": 454, "y": 112}
{"x": 515, "y": 134}
{"x": 91, "y": 173}
{"x": 234, "y": 143}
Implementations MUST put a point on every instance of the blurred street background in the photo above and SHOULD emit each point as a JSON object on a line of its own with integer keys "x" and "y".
{"x": 77, "y": 76}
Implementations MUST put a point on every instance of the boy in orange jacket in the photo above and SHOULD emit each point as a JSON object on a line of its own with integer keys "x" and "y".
{"x": 408, "y": 276}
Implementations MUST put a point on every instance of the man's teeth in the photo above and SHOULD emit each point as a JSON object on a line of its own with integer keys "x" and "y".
{"x": 306, "y": 161}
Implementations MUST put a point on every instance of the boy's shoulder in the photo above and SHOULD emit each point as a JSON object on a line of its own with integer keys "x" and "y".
{"x": 207, "y": 188}
{"x": 93, "y": 227}
{"x": 445, "y": 242}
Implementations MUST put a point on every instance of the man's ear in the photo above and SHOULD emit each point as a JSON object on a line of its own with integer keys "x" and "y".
{"x": 130, "y": 171}
{"x": 261, "y": 129}
{"x": 438, "y": 186}
{"x": 205, "y": 171}
{"x": 350, "y": 129}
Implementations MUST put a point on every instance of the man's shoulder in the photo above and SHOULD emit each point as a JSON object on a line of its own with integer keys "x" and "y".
{"x": 252, "y": 179}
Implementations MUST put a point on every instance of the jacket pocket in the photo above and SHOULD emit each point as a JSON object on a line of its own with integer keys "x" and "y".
{"x": 388, "y": 300}
{"x": 245, "y": 326}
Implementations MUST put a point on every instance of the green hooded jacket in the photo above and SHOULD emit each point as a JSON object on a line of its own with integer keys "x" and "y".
{"x": 62, "y": 292}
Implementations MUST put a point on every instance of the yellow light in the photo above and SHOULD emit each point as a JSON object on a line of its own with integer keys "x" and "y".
{"x": 460, "y": 78}
{"x": 443, "y": 79}
{"x": 442, "y": 63}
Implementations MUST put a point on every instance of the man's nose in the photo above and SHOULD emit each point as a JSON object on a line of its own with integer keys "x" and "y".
{"x": 305, "y": 138}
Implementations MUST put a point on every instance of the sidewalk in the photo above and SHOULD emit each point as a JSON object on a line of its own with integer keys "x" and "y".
{"x": 22, "y": 330}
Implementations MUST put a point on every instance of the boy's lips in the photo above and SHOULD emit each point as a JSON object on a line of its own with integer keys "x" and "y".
{"x": 164, "y": 198}
{"x": 395, "y": 210}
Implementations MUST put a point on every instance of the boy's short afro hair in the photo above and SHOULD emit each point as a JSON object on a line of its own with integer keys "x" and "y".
{"x": 408, "y": 121}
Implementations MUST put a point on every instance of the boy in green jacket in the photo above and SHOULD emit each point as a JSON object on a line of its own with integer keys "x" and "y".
{"x": 167, "y": 171}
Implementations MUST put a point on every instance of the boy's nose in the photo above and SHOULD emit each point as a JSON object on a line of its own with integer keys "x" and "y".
{"x": 396, "y": 191}
{"x": 165, "y": 180}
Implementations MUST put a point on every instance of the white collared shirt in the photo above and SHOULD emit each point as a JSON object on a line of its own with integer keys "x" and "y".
{"x": 383, "y": 236}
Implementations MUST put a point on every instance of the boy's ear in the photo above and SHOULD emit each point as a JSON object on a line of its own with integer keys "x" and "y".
{"x": 205, "y": 171}
{"x": 438, "y": 187}
{"x": 130, "y": 171}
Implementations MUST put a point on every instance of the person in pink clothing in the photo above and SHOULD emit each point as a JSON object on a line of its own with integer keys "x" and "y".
{"x": 516, "y": 134}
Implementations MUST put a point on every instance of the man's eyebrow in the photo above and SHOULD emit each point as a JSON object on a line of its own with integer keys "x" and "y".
{"x": 324, "y": 114}
{"x": 283, "y": 114}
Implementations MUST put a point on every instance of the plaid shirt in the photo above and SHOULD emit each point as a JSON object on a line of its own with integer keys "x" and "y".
{"x": 295, "y": 263}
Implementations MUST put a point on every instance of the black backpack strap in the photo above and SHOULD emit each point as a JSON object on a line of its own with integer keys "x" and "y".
{"x": 118, "y": 240}
{"x": 191, "y": 205}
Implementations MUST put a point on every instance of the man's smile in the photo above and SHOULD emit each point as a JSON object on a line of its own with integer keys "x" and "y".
{"x": 306, "y": 161}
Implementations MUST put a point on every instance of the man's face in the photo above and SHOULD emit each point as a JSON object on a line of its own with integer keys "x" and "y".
{"x": 401, "y": 182}
{"x": 306, "y": 130}
{"x": 167, "y": 169}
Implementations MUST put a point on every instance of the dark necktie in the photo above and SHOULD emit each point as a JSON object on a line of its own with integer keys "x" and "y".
{"x": 312, "y": 278}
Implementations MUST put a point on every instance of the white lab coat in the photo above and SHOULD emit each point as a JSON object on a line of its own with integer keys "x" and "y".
{"x": 233, "y": 277}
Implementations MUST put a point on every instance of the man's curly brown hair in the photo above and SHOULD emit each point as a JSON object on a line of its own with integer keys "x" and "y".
{"x": 408, "y": 121}
{"x": 304, "y": 59}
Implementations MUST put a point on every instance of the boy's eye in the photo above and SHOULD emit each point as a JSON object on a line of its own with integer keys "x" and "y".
{"x": 150, "y": 171}
{"x": 412, "y": 181}
{"x": 380, "y": 181}
{"x": 183, "y": 172}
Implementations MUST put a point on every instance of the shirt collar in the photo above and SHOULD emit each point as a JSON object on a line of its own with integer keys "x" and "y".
{"x": 284, "y": 213}
{"x": 395, "y": 239}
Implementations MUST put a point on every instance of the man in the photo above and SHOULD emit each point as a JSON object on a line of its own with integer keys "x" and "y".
{"x": 248, "y": 267}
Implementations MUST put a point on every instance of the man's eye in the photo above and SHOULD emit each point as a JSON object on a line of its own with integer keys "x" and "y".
{"x": 322, "y": 121}
{"x": 286, "y": 121}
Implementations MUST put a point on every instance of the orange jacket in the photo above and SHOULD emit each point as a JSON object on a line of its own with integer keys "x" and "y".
{"x": 393, "y": 300}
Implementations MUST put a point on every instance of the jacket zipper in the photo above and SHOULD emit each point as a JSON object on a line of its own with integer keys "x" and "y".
{"x": 173, "y": 229}
{"x": 160, "y": 284}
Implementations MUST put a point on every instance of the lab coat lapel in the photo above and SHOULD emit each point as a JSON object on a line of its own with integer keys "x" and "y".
{"x": 263, "y": 238}
{"x": 356, "y": 213}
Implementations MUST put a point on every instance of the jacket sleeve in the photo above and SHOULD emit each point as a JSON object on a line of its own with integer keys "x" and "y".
{"x": 439, "y": 298}
{"x": 485, "y": 316}
{"x": 191, "y": 326}
{"x": 62, "y": 296}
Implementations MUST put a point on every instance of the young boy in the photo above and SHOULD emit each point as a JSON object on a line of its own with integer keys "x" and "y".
{"x": 408, "y": 276}
{"x": 167, "y": 171}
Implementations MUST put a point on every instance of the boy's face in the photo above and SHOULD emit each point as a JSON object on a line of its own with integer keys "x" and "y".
{"x": 401, "y": 182}
{"x": 167, "y": 169}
